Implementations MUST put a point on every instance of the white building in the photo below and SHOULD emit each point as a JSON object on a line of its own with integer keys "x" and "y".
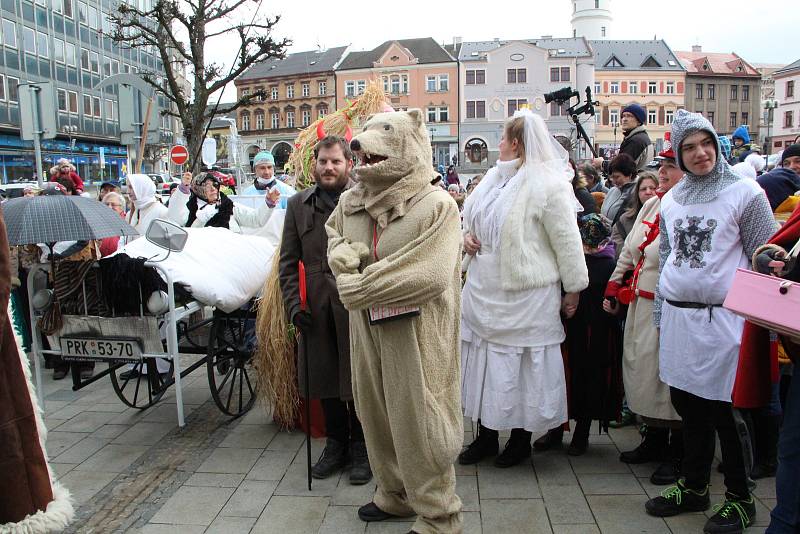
{"x": 785, "y": 127}
{"x": 591, "y": 19}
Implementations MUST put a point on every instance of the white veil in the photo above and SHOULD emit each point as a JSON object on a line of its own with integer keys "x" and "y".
{"x": 540, "y": 145}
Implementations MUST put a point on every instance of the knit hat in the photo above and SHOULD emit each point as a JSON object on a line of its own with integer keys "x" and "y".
{"x": 725, "y": 147}
{"x": 637, "y": 111}
{"x": 791, "y": 150}
{"x": 265, "y": 156}
{"x": 668, "y": 152}
{"x": 686, "y": 124}
{"x": 594, "y": 229}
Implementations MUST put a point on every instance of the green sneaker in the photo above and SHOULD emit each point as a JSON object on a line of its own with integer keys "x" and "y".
{"x": 677, "y": 500}
{"x": 732, "y": 516}
{"x": 626, "y": 418}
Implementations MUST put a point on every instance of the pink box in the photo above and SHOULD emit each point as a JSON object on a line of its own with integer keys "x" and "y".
{"x": 767, "y": 301}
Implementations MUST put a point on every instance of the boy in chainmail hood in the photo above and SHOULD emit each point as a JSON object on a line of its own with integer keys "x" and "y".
{"x": 711, "y": 223}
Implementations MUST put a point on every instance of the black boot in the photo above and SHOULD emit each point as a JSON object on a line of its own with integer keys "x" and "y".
{"x": 485, "y": 445}
{"x": 670, "y": 470}
{"x": 652, "y": 449}
{"x": 333, "y": 458}
{"x": 766, "y": 463}
{"x": 580, "y": 437}
{"x": 518, "y": 448}
{"x": 552, "y": 440}
{"x": 360, "y": 472}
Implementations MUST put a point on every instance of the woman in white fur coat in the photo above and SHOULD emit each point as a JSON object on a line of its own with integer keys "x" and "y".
{"x": 523, "y": 247}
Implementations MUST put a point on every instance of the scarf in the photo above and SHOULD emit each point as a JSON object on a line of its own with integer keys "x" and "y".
{"x": 224, "y": 212}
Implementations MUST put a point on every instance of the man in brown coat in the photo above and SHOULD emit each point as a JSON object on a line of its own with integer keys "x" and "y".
{"x": 324, "y": 325}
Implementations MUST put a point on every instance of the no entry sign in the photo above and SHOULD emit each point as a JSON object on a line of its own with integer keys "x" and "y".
{"x": 178, "y": 155}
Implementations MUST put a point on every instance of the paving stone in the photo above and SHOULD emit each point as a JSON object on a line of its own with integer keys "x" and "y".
{"x": 53, "y": 424}
{"x": 112, "y": 407}
{"x": 466, "y": 469}
{"x": 231, "y": 525}
{"x": 113, "y": 458}
{"x": 686, "y": 522}
{"x": 257, "y": 416}
{"x": 624, "y": 514}
{"x": 230, "y": 461}
{"x": 58, "y": 441}
{"x": 109, "y": 431}
{"x": 61, "y": 469}
{"x": 576, "y": 529}
{"x": 295, "y": 483}
{"x": 165, "y": 412}
{"x": 765, "y": 488}
{"x": 390, "y": 527}
{"x": 553, "y": 469}
{"x": 347, "y": 494}
{"x": 66, "y": 412}
{"x": 626, "y": 438}
{"x": 271, "y": 465}
{"x": 514, "y": 515}
{"x": 599, "y": 459}
{"x": 193, "y": 505}
{"x": 154, "y": 528}
{"x": 144, "y": 433}
{"x": 87, "y": 421}
{"x": 467, "y": 489}
{"x": 610, "y": 484}
{"x": 81, "y": 451}
{"x": 518, "y": 482}
{"x": 54, "y": 406}
{"x": 298, "y": 515}
{"x": 471, "y": 522}
{"x": 566, "y": 505}
{"x": 250, "y": 436}
{"x": 249, "y": 499}
{"x": 83, "y": 485}
{"x": 215, "y": 480}
{"x": 340, "y": 519}
{"x": 287, "y": 441}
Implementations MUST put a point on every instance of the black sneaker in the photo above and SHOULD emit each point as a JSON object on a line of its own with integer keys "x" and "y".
{"x": 732, "y": 516}
{"x": 360, "y": 472}
{"x": 333, "y": 458}
{"x": 652, "y": 449}
{"x": 485, "y": 445}
{"x": 667, "y": 473}
{"x": 677, "y": 500}
{"x": 371, "y": 513}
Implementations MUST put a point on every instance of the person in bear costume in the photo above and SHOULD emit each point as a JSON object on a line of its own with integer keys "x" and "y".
{"x": 394, "y": 244}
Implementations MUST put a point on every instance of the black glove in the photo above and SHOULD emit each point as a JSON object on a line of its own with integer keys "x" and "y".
{"x": 302, "y": 320}
{"x": 769, "y": 255}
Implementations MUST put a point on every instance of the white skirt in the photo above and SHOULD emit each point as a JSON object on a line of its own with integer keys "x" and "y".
{"x": 512, "y": 387}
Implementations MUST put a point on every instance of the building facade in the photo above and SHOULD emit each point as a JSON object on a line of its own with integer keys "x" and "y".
{"x": 767, "y": 95}
{"x": 414, "y": 73}
{"x": 66, "y": 42}
{"x": 786, "y": 118}
{"x": 294, "y": 92}
{"x": 591, "y": 19}
{"x": 499, "y": 77}
{"x": 724, "y": 88}
{"x": 643, "y": 72}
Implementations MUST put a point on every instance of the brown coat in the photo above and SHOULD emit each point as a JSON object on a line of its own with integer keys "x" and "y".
{"x": 328, "y": 342}
{"x": 24, "y": 478}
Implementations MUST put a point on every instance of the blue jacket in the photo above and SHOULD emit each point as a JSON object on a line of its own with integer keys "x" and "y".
{"x": 285, "y": 189}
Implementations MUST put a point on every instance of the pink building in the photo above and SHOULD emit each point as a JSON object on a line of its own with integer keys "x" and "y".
{"x": 415, "y": 73}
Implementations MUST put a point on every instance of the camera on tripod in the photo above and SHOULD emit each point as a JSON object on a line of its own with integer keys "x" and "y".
{"x": 564, "y": 95}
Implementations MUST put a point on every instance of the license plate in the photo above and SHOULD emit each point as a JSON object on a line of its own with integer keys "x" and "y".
{"x": 81, "y": 349}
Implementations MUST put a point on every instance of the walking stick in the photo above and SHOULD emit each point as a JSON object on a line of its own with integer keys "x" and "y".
{"x": 301, "y": 272}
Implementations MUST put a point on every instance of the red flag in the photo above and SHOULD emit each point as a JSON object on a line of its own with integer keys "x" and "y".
{"x": 301, "y": 273}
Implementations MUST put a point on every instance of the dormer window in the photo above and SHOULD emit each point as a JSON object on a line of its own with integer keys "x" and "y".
{"x": 614, "y": 62}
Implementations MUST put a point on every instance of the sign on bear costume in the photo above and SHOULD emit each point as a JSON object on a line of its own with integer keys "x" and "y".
{"x": 394, "y": 244}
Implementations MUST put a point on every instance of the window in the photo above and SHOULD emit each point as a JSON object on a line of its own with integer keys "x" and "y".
{"x": 745, "y": 116}
{"x": 115, "y": 67}
{"x": 712, "y": 91}
{"x": 394, "y": 82}
{"x": 790, "y": 89}
{"x": 734, "y": 92}
{"x": 517, "y": 75}
{"x": 61, "y": 94}
{"x": 564, "y": 74}
{"x": 699, "y": 91}
{"x": 361, "y": 85}
{"x": 321, "y": 112}
{"x": 82, "y": 9}
{"x": 306, "y": 89}
{"x": 652, "y": 88}
{"x": 69, "y": 55}
{"x": 96, "y": 106}
{"x": 289, "y": 90}
{"x": 602, "y": 30}
{"x": 613, "y": 117}
{"x": 745, "y": 93}
{"x": 29, "y": 40}
{"x": 245, "y": 93}
{"x": 431, "y": 114}
{"x": 306, "y": 117}
{"x": 68, "y": 8}
{"x": 555, "y": 74}
{"x": 259, "y": 120}
{"x": 788, "y": 117}
{"x": 670, "y": 88}
{"x": 597, "y": 4}
{"x": 273, "y": 92}
{"x": 290, "y": 119}
{"x": 85, "y": 59}
{"x": 275, "y": 120}
{"x": 72, "y": 100}
{"x": 322, "y": 88}
{"x": 350, "y": 88}
{"x": 110, "y": 115}
{"x": 41, "y": 44}
{"x": 652, "y": 116}
{"x": 87, "y": 105}
{"x": 444, "y": 82}
{"x": 262, "y": 94}
{"x": 58, "y": 50}
{"x": 476, "y": 109}
{"x": 93, "y": 17}
{"x": 476, "y": 77}
{"x": 732, "y": 121}
{"x": 95, "y": 61}
{"x": 9, "y": 33}
{"x": 245, "y": 121}
{"x": 614, "y": 88}
{"x": 633, "y": 87}
{"x": 13, "y": 89}
{"x": 597, "y": 88}
{"x": 515, "y": 104}
{"x": 558, "y": 110}
{"x": 430, "y": 83}
{"x": 444, "y": 114}
{"x": 710, "y": 117}
{"x": 669, "y": 116}
{"x": 106, "y": 67}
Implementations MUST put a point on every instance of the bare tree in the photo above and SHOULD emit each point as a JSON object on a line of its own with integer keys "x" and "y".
{"x": 182, "y": 31}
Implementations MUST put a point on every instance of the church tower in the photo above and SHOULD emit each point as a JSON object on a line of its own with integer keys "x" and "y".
{"x": 591, "y": 19}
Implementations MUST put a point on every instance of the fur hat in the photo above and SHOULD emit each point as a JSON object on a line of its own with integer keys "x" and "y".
{"x": 637, "y": 111}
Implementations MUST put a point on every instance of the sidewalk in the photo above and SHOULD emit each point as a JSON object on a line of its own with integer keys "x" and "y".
{"x": 132, "y": 471}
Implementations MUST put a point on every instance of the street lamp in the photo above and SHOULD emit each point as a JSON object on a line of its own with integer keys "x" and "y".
{"x": 432, "y": 130}
{"x": 769, "y": 107}
{"x": 615, "y": 125}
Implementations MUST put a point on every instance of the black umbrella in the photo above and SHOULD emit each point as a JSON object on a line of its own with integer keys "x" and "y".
{"x": 51, "y": 218}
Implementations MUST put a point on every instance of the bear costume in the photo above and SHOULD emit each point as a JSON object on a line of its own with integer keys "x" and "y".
{"x": 394, "y": 244}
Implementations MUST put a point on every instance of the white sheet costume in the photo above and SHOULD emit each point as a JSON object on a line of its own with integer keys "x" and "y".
{"x": 145, "y": 208}
{"x": 524, "y": 218}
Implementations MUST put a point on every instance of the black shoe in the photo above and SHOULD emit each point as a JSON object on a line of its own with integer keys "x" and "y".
{"x": 667, "y": 473}
{"x": 60, "y": 372}
{"x": 764, "y": 470}
{"x": 518, "y": 448}
{"x": 652, "y": 449}
{"x": 370, "y": 512}
{"x": 360, "y": 472}
{"x": 580, "y": 438}
{"x": 483, "y": 446}
{"x": 129, "y": 374}
{"x": 332, "y": 459}
{"x": 677, "y": 500}
{"x": 732, "y": 517}
{"x": 552, "y": 440}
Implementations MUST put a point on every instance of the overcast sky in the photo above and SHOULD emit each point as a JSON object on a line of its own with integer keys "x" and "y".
{"x": 761, "y": 31}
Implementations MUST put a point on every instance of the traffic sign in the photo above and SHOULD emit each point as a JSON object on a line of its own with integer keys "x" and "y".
{"x": 178, "y": 154}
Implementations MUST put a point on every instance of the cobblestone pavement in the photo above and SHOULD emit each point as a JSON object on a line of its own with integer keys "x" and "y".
{"x": 137, "y": 471}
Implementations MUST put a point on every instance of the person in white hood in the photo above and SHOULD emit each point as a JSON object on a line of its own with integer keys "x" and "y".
{"x": 145, "y": 207}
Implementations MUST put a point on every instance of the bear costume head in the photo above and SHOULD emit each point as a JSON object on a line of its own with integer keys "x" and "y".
{"x": 394, "y": 151}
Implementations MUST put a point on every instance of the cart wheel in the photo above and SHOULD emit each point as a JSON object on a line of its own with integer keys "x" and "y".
{"x": 231, "y": 375}
{"x": 142, "y": 390}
